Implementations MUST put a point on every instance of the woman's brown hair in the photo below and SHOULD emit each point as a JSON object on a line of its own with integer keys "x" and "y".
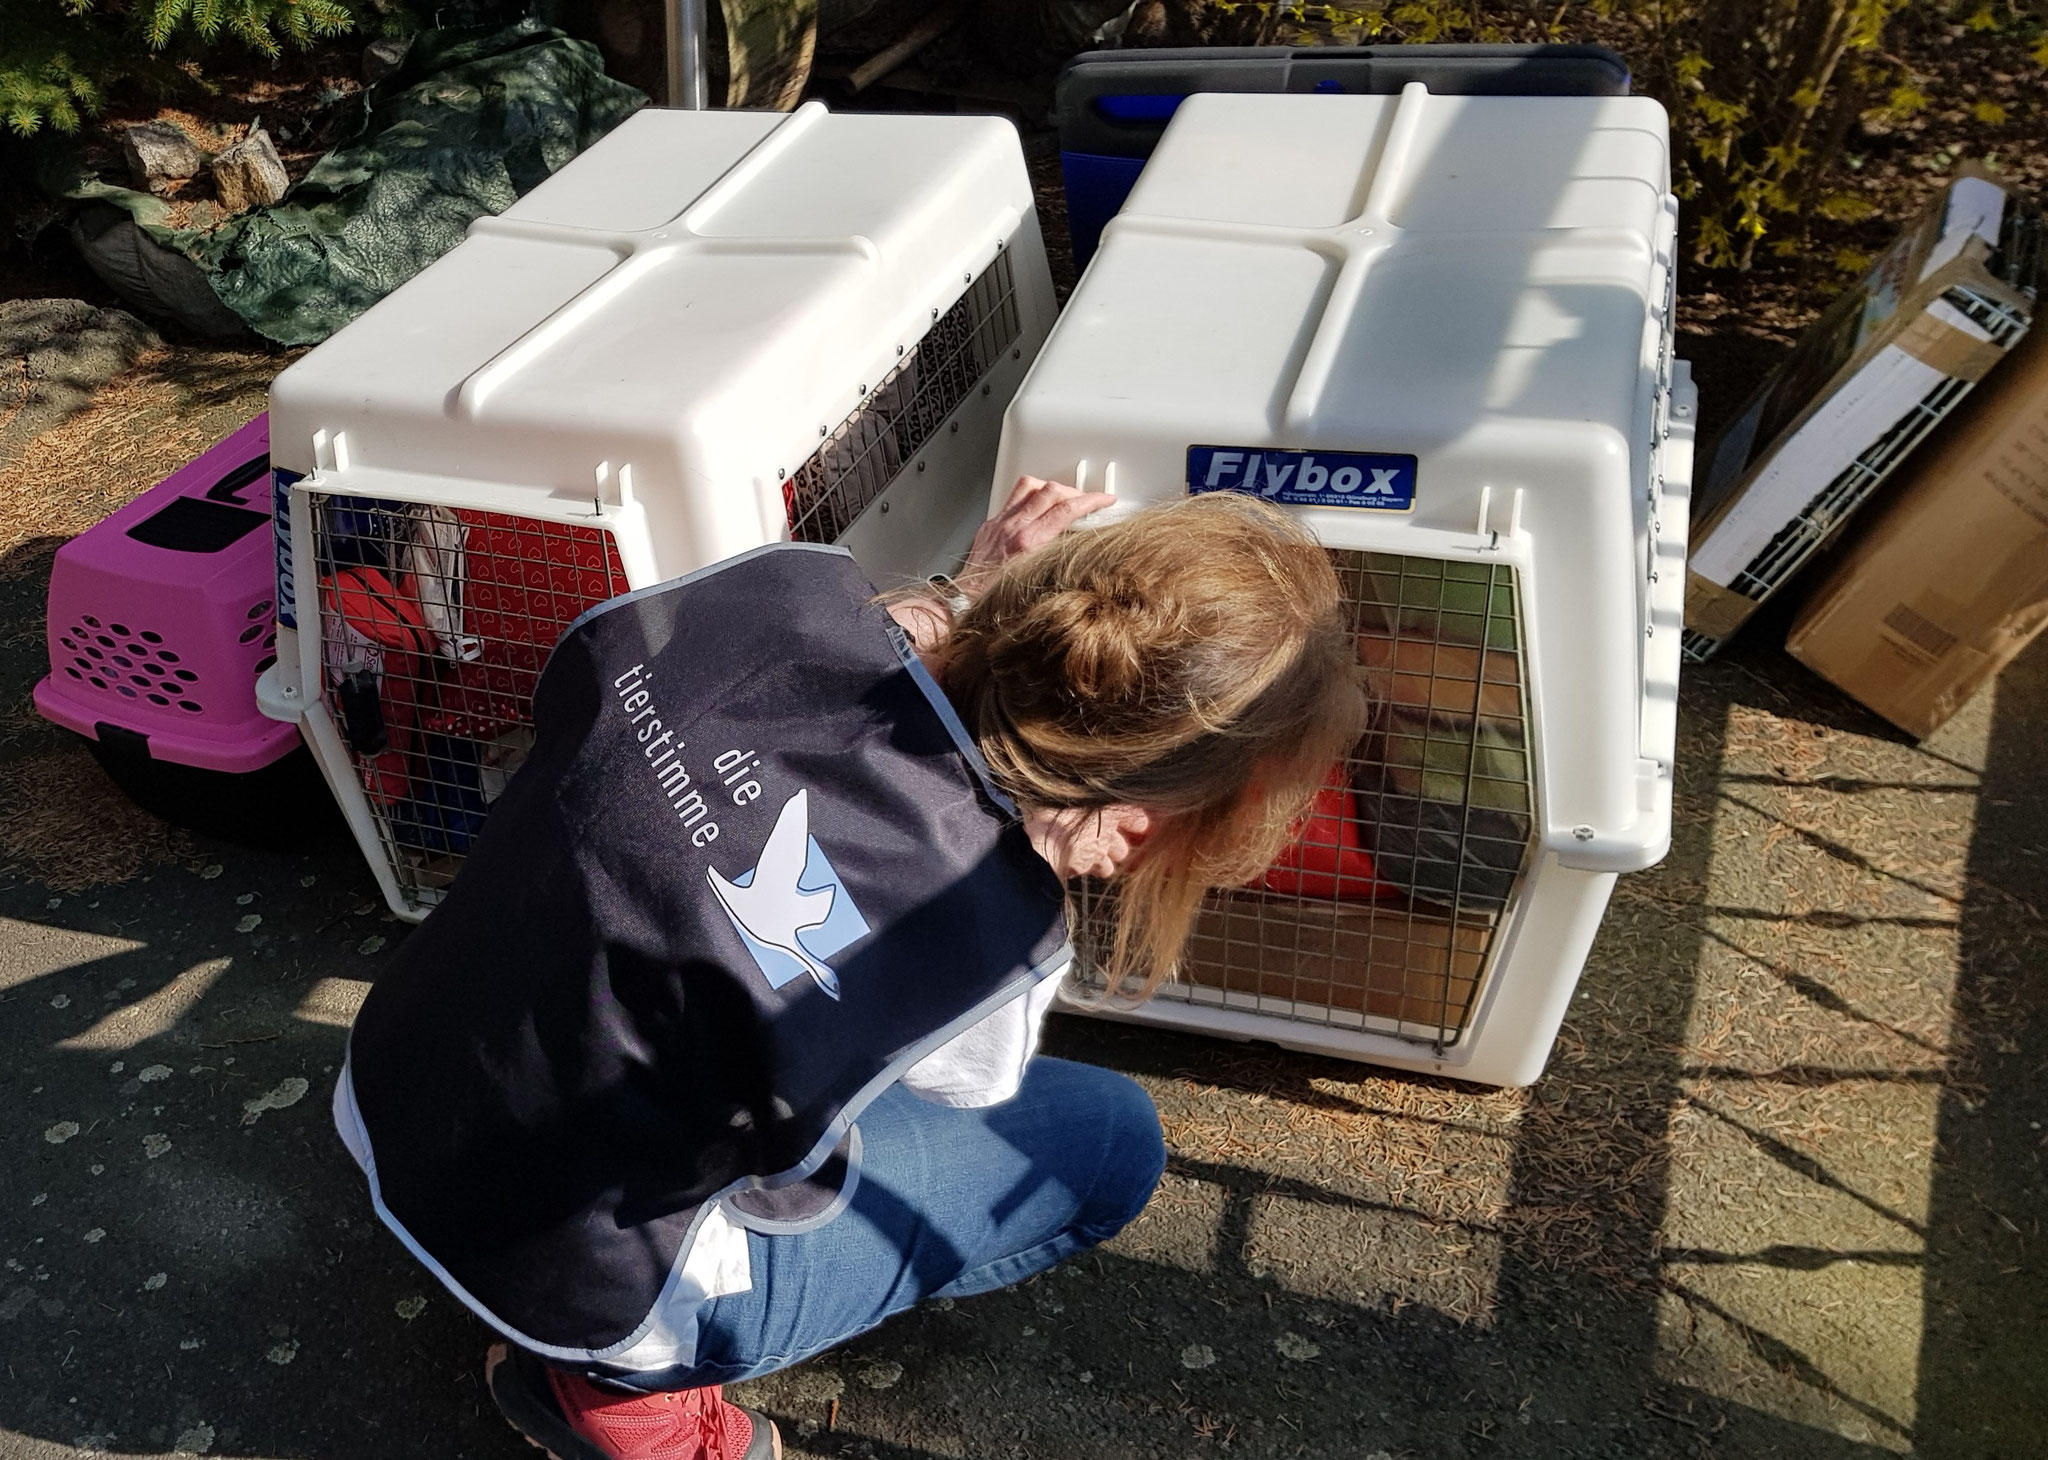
{"x": 1191, "y": 659}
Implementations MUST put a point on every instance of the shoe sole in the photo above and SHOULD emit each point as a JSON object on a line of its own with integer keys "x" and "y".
{"x": 527, "y": 1415}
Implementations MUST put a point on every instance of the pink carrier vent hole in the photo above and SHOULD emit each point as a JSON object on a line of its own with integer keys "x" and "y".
{"x": 134, "y": 664}
{"x": 262, "y": 625}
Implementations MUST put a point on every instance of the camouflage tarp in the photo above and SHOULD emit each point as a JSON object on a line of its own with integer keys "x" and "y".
{"x": 471, "y": 121}
{"x": 768, "y": 46}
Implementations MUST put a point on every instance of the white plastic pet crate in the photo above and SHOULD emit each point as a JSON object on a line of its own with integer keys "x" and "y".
{"x": 710, "y": 331}
{"x": 1440, "y": 329}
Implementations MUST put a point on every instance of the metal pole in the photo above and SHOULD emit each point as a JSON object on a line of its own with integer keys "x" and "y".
{"x": 686, "y": 54}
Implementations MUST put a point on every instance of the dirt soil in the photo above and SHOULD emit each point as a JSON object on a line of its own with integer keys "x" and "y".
{"x": 1780, "y": 1192}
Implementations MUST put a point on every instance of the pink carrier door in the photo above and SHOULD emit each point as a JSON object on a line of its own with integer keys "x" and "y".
{"x": 161, "y": 617}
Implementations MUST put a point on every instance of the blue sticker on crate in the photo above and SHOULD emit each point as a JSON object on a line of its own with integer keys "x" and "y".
{"x": 1377, "y": 481}
{"x": 281, "y": 534}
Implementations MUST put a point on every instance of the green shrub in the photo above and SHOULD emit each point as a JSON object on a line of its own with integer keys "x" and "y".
{"x": 59, "y": 57}
{"x": 49, "y": 57}
{"x": 1762, "y": 93}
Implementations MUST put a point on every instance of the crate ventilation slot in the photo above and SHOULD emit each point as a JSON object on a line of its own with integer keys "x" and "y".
{"x": 856, "y": 462}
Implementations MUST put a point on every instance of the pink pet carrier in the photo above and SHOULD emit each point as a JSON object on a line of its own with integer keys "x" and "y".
{"x": 160, "y": 619}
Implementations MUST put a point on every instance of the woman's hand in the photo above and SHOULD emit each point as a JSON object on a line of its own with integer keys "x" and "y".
{"x": 1038, "y": 511}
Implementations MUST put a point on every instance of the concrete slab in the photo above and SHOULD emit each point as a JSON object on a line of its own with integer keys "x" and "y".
{"x": 1778, "y": 1194}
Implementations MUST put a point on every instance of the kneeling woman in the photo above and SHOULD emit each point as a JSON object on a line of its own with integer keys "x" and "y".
{"x": 721, "y": 1050}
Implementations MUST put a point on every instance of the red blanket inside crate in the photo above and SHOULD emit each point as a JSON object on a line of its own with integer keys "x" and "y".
{"x": 1328, "y": 857}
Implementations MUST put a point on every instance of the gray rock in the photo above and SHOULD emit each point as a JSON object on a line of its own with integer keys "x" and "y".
{"x": 159, "y": 154}
{"x": 249, "y": 174}
{"x": 383, "y": 56}
{"x": 54, "y": 354}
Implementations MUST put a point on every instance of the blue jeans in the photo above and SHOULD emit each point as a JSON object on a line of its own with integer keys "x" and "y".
{"x": 950, "y": 1203}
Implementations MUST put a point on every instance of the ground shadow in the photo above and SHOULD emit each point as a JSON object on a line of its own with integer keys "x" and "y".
{"x": 287, "y": 1323}
{"x": 1984, "y": 1349}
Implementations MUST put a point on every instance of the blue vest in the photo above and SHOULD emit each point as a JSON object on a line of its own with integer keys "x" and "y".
{"x": 751, "y": 871}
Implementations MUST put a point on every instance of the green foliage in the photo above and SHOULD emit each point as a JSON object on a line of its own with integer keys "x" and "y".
{"x": 258, "y": 24}
{"x": 1758, "y": 90}
{"x": 58, "y": 58}
{"x": 51, "y": 90}
{"x": 1762, "y": 93}
{"x": 50, "y": 57}
{"x": 1306, "y": 23}
{"x": 1845, "y": 207}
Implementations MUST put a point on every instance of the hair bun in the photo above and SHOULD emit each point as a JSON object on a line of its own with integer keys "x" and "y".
{"x": 1191, "y": 660}
{"x": 1099, "y": 637}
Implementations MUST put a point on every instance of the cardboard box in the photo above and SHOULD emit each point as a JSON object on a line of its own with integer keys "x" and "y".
{"x": 1885, "y": 363}
{"x": 1951, "y": 581}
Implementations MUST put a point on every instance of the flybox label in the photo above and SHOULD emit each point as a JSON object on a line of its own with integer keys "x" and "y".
{"x": 281, "y": 536}
{"x": 1375, "y": 480}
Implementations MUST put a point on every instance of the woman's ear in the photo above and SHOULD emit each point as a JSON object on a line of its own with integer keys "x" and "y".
{"x": 1135, "y": 822}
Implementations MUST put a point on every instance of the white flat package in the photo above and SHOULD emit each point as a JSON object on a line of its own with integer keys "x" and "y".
{"x": 1883, "y": 365}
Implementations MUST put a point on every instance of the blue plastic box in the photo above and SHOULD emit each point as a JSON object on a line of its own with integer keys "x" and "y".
{"x": 1112, "y": 106}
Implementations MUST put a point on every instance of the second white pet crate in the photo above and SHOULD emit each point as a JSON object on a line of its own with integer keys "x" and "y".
{"x": 710, "y": 331}
{"x": 1440, "y": 329}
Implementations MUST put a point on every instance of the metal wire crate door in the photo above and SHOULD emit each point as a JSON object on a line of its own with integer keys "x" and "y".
{"x": 856, "y": 463}
{"x": 1384, "y": 912}
{"x": 434, "y": 626}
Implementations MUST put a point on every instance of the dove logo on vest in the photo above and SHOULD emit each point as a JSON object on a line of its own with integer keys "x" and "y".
{"x": 790, "y": 907}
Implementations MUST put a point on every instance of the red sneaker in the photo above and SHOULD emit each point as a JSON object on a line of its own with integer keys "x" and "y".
{"x": 573, "y": 1419}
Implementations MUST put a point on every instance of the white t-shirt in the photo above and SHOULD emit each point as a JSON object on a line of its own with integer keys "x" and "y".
{"x": 981, "y": 1065}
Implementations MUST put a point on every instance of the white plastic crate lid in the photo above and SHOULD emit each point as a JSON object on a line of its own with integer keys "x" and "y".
{"x": 692, "y": 297}
{"x": 1329, "y": 270}
{"x": 1482, "y": 283}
